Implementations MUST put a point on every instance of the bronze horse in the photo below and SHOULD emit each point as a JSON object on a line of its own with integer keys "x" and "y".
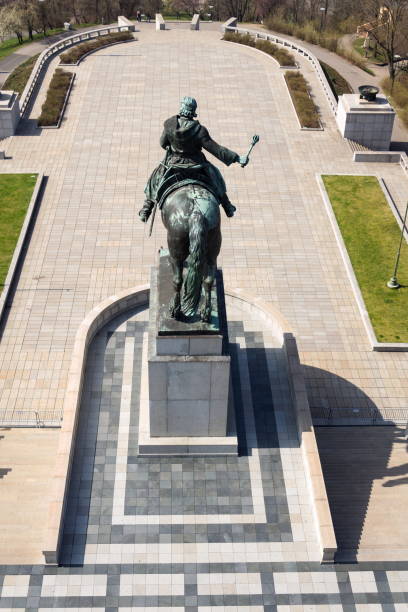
{"x": 191, "y": 217}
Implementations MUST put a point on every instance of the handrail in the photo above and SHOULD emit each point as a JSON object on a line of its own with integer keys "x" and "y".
{"x": 278, "y": 40}
{"x": 31, "y": 418}
{"x": 57, "y": 47}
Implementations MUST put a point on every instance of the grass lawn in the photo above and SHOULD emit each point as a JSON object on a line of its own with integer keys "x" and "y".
{"x": 379, "y": 57}
{"x": 15, "y": 195}
{"x": 371, "y": 235}
{"x": 9, "y": 46}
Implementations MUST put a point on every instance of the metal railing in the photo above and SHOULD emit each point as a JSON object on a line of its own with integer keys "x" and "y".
{"x": 278, "y": 40}
{"x": 30, "y": 418}
{"x": 326, "y": 415}
{"x": 58, "y": 47}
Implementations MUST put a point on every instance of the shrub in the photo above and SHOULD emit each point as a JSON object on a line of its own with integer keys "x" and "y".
{"x": 304, "y": 105}
{"x": 338, "y": 84}
{"x": 17, "y": 80}
{"x": 54, "y": 102}
{"x": 398, "y": 94}
{"x": 76, "y": 53}
{"x": 283, "y": 57}
{"x": 309, "y": 33}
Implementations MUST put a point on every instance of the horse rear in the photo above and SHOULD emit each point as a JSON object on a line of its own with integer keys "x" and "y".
{"x": 192, "y": 218}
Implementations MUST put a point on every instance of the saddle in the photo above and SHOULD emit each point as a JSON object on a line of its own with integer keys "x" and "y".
{"x": 176, "y": 177}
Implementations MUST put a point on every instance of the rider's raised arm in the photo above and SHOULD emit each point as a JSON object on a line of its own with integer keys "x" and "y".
{"x": 164, "y": 141}
{"x": 225, "y": 155}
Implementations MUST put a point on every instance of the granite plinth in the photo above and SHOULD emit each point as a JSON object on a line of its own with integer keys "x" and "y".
{"x": 9, "y": 113}
{"x": 187, "y": 405}
{"x": 368, "y": 123}
{"x": 194, "y": 326}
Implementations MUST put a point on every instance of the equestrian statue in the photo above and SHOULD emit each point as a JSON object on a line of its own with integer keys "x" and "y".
{"x": 188, "y": 189}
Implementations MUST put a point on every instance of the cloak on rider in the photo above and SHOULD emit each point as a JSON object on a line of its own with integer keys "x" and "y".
{"x": 184, "y": 138}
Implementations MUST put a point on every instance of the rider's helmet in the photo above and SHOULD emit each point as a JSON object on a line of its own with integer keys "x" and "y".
{"x": 188, "y": 107}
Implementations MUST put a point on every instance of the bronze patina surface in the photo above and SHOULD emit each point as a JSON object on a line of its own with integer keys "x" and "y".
{"x": 168, "y": 326}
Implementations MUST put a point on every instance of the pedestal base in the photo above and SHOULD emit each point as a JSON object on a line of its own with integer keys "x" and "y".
{"x": 186, "y": 405}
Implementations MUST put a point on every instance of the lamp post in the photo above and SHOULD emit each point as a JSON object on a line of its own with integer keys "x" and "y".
{"x": 42, "y": 11}
{"x": 322, "y": 10}
{"x": 393, "y": 282}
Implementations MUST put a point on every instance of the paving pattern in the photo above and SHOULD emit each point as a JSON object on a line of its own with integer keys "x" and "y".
{"x": 225, "y": 535}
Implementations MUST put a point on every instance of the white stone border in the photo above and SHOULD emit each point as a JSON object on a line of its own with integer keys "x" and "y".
{"x": 21, "y": 240}
{"x": 61, "y": 116}
{"x": 295, "y": 67}
{"x": 137, "y": 296}
{"x": 310, "y": 452}
{"x": 81, "y": 59}
{"x": 302, "y": 127}
{"x": 375, "y": 344}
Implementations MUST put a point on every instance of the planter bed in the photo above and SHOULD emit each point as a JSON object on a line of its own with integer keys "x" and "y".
{"x": 283, "y": 57}
{"x": 305, "y": 108}
{"x": 77, "y": 53}
{"x": 58, "y": 92}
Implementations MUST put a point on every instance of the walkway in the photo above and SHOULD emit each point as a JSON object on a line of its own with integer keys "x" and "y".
{"x": 23, "y": 53}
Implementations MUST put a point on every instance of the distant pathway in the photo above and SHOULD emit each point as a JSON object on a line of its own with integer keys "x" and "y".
{"x": 354, "y": 75}
{"x": 23, "y": 53}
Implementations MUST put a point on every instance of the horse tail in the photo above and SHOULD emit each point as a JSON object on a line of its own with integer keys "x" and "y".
{"x": 192, "y": 283}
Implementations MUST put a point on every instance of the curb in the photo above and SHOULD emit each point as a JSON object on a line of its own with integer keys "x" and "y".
{"x": 20, "y": 244}
{"x": 301, "y": 127}
{"x": 119, "y": 42}
{"x": 375, "y": 344}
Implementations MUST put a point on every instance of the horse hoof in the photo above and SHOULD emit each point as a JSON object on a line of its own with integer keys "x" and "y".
{"x": 205, "y": 316}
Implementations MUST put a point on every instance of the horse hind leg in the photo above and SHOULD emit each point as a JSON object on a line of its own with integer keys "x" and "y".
{"x": 175, "y": 302}
{"x": 208, "y": 283}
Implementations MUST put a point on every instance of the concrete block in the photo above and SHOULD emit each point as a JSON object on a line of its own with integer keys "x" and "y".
{"x": 189, "y": 381}
{"x": 205, "y": 345}
{"x": 220, "y": 376}
{"x": 218, "y": 417}
{"x": 158, "y": 417}
{"x": 157, "y": 380}
{"x": 188, "y": 418}
{"x": 172, "y": 345}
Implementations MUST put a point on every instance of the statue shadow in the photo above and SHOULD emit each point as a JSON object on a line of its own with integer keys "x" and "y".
{"x": 355, "y": 445}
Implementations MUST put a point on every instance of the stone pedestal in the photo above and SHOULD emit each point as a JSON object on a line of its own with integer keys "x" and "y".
{"x": 368, "y": 123}
{"x": 9, "y": 113}
{"x": 189, "y": 408}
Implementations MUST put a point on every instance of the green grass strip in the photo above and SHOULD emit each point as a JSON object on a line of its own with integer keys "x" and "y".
{"x": 15, "y": 195}
{"x": 11, "y": 45}
{"x": 371, "y": 235}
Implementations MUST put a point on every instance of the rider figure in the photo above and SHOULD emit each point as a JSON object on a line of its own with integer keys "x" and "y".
{"x": 183, "y": 137}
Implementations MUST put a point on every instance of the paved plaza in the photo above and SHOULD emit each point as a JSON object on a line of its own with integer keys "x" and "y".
{"x": 232, "y": 534}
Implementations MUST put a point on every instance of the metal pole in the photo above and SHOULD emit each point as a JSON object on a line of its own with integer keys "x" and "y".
{"x": 393, "y": 282}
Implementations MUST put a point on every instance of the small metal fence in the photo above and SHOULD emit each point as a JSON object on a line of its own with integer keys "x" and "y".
{"x": 30, "y": 418}
{"x": 325, "y": 415}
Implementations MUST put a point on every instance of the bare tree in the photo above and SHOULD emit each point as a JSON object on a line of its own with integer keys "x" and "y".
{"x": 386, "y": 25}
